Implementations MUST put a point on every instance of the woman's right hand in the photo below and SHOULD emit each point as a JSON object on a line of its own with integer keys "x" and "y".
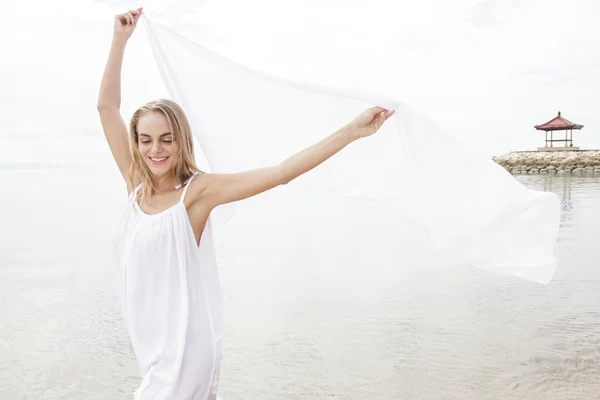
{"x": 125, "y": 23}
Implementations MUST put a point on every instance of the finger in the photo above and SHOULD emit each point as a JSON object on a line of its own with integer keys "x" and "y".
{"x": 377, "y": 110}
{"x": 389, "y": 113}
{"x": 131, "y": 18}
{"x": 378, "y": 120}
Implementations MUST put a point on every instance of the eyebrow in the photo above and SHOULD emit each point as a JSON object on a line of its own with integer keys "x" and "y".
{"x": 145, "y": 134}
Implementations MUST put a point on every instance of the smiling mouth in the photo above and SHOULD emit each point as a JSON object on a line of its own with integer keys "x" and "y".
{"x": 158, "y": 160}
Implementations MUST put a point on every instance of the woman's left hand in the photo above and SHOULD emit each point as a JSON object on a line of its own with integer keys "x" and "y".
{"x": 368, "y": 122}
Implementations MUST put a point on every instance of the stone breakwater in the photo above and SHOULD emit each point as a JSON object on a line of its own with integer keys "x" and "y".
{"x": 551, "y": 162}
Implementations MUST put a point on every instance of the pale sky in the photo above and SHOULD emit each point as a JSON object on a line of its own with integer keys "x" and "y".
{"x": 485, "y": 70}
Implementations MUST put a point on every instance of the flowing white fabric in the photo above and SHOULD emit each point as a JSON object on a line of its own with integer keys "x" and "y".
{"x": 245, "y": 119}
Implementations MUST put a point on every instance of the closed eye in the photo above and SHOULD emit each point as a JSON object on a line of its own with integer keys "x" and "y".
{"x": 165, "y": 140}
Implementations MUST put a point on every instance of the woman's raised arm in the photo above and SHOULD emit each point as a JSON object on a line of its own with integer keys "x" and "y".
{"x": 109, "y": 97}
{"x": 225, "y": 188}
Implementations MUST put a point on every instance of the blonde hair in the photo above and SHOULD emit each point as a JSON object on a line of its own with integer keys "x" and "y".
{"x": 181, "y": 130}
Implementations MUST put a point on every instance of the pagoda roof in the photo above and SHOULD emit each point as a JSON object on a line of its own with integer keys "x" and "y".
{"x": 558, "y": 123}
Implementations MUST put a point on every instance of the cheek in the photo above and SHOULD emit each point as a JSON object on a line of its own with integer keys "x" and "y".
{"x": 143, "y": 148}
{"x": 174, "y": 150}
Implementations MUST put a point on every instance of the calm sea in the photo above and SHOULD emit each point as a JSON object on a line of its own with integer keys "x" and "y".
{"x": 324, "y": 299}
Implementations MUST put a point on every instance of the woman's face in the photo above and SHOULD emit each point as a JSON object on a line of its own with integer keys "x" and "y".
{"x": 156, "y": 143}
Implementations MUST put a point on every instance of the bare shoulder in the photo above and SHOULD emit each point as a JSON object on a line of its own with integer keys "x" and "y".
{"x": 197, "y": 187}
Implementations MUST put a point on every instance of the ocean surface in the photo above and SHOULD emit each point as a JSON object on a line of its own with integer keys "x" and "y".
{"x": 324, "y": 299}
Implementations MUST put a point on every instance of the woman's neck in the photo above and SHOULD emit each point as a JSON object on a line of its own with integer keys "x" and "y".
{"x": 165, "y": 183}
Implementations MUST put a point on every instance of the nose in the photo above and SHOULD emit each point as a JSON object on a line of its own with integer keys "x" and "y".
{"x": 156, "y": 147}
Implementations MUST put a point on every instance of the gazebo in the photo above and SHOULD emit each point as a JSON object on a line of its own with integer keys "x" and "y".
{"x": 558, "y": 123}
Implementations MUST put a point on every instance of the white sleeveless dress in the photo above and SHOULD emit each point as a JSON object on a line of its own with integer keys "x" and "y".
{"x": 170, "y": 298}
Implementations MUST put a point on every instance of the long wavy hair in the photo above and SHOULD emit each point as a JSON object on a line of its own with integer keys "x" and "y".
{"x": 185, "y": 165}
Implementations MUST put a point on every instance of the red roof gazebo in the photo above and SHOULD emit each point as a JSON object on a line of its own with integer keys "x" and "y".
{"x": 558, "y": 123}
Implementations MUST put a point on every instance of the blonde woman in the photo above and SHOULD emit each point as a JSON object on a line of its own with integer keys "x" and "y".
{"x": 169, "y": 297}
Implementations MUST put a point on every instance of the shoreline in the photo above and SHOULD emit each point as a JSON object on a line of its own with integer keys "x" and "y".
{"x": 582, "y": 162}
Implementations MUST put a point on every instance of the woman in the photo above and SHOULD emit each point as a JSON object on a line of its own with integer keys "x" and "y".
{"x": 169, "y": 297}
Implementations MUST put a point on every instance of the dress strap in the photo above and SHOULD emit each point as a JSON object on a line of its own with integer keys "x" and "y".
{"x": 186, "y": 185}
{"x": 135, "y": 191}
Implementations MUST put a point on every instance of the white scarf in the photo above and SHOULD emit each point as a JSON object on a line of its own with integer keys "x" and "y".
{"x": 243, "y": 119}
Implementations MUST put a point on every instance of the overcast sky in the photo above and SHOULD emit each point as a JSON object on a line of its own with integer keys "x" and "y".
{"x": 485, "y": 70}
